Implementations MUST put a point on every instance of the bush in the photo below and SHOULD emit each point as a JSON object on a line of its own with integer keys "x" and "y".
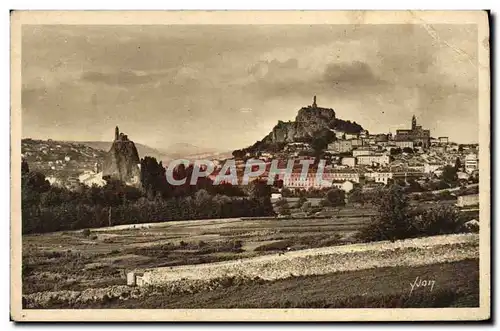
{"x": 234, "y": 246}
{"x": 284, "y": 210}
{"x": 282, "y": 207}
{"x": 471, "y": 226}
{"x": 335, "y": 197}
{"x": 436, "y": 221}
{"x": 424, "y": 196}
{"x": 391, "y": 222}
{"x": 324, "y": 203}
{"x": 356, "y": 196}
{"x": 281, "y": 202}
{"x": 300, "y": 202}
{"x": 449, "y": 175}
{"x": 86, "y": 232}
{"x": 306, "y": 207}
{"x": 275, "y": 246}
{"x": 396, "y": 221}
{"x": 445, "y": 195}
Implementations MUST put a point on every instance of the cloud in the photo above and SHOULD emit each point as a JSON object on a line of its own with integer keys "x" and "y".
{"x": 276, "y": 79}
{"x": 117, "y": 78}
{"x": 166, "y": 83}
{"x": 356, "y": 72}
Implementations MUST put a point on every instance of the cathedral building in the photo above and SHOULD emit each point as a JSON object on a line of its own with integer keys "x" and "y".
{"x": 419, "y": 136}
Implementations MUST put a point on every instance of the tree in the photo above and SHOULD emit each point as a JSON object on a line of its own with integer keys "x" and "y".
{"x": 286, "y": 192}
{"x": 25, "y": 169}
{"x": 413, "y": 186}
{"x": 395, "y": 151}
{"x": 284, "y": 208}
{"x": 449, "y": 175}
{"x": 260, "y": 193}
{"x": 392, "y": 219}
{"x": 437, "y": 221}
{"x": 51, "y": 198}
{"x": 334, "y": 197}
{"x": 321, "y": 139}
{"x": 444, "y": 195}
{"x": 202, "y": 197}
{"x": 458, "y": 164}
{"x": 238, "y": 154}
{"x": 408, "y": 150}
{"x": 280, "y": 202}
{"x": 153, "y": 178}
{"x": 356, "y": 195}
{"x": 36, "y": 182}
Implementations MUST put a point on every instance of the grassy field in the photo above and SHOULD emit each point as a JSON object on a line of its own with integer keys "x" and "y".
{"x": 72, "y": 261}
{"x": 456, "y": 285}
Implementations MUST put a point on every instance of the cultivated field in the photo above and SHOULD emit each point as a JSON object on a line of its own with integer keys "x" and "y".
{"x": 73, "y": 269}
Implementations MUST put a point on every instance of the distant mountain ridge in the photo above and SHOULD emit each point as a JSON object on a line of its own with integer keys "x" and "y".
{"x": 190, "y": 151}
{"x": 172, "y": 152}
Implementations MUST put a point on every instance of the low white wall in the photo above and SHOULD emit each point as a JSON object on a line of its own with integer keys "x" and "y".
{"x": 411, "y": 252}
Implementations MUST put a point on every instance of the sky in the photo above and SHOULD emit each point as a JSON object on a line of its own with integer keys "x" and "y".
{"x": 226, "y": 86}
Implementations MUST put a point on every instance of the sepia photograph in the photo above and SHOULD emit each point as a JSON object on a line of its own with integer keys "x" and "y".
{"x": 246, "y": 166}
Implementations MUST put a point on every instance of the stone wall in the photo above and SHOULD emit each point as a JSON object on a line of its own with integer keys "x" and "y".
{"x": 411, "y": 252}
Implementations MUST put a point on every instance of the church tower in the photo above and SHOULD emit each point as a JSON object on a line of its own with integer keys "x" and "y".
{"x": 413, "y": 122}
{"x": 117, "y": 133}
{"x": 314, "y": 102}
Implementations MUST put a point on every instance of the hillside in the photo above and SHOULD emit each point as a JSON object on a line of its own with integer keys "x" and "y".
{"x": 60, "y": 159}
{"x": 49, "y": 156}
{"x": 183, "y": 149}
{"x": 314, "y": 125}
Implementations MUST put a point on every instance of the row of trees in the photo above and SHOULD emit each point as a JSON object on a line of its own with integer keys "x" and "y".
{"x": 46, "y": 208}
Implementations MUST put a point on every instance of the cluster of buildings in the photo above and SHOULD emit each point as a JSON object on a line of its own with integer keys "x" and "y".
{"x": 370, "y": 160}
{"x": 376, "y": 149}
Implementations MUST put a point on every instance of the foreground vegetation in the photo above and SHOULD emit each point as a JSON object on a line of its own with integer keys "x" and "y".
{"x": 101, "y": 257}
{"x": 395, "y": 218}
{"x": 456, "y": 285}
{"x": 46, "y": 208}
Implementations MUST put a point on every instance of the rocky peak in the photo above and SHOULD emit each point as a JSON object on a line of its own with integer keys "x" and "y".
{"x": 122, "y": 161}
{"x": 311, "y": 121}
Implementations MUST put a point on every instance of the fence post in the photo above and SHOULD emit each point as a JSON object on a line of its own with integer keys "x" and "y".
{"x": 109, "y": 217}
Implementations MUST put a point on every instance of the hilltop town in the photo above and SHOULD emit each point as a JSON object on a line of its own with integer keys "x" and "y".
{"x": 356, "y": 157}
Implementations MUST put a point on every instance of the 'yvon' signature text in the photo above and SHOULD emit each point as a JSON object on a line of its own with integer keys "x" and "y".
{"x": 421, "y": 283}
